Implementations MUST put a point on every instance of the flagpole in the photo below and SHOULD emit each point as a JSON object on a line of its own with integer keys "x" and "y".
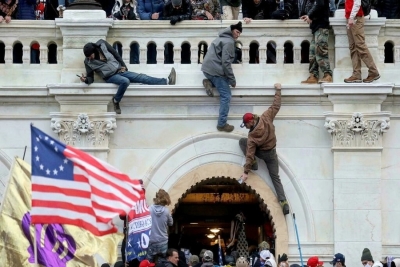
{"x": 35, "y": 245}
{"x": 126, "y": 234}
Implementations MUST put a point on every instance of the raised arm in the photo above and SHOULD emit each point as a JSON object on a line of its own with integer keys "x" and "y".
{"x": 276, "y": 105}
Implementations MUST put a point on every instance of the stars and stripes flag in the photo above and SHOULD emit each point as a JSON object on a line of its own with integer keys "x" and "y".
{"x": 220, "y": 252}
{"x": 70, "y": 186}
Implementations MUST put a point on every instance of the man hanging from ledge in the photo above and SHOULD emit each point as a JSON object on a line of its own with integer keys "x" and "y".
{"x": 103, "y": 59}
{"x": 261, "y": 142}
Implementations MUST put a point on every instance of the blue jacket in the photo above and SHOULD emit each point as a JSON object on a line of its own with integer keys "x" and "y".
{"x": 147, "y": 7}
{"x": 26, "y": 9}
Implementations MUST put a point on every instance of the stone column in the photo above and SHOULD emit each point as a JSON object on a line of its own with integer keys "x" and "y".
{"x": 79, "y": 27}
{"x": 357, "y": 126}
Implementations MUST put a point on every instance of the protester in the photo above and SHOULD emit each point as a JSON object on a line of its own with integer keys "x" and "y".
{"x": 172, "y": 259}
{"x": 161, "y": 218}
{"x": 208, "y": 259}
{"x": 318, "y": 18}
{"x": 7, "y": 10}
{"x": 338, "y": 260}
{"x": 217, "y": 67}
{"x": 206, "y": 10}
{"x": 230, "y": 9}
{"x": 177, "y": 10}
{"x": 314, "y": 262}
{"x": 358, "y": 48}
{"x": 366, "y": 258}
{"x": 127, "y": 11}
{"x": 101, "y": 58}
{"x": 193, "y": 260}
{"x": 26, "y": 10}
{"x": 261, "y": 142}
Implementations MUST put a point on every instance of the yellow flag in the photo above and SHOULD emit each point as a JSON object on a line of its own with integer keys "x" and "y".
{"x": 57, "y": 246}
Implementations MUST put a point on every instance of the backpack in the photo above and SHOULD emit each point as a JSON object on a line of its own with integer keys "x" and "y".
{"x": 366, "y": 6}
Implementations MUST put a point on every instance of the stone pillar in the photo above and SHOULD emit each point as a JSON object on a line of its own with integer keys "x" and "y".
{"x": 357, "y": 125}
{"x": 79, "y": 27}
{"x": 343, "y": 67}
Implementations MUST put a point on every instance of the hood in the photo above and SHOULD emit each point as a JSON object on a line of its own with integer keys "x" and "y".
{"x": 158, "y": 209}
{"x": 227, "y": 33}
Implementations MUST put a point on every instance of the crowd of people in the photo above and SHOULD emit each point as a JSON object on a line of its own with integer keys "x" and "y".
{"x": 178, "y": 10}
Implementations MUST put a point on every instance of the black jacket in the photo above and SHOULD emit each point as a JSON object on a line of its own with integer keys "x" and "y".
{"x": 183, "y": 13}
{"x": 319, "y": 14}
{"x": 126, "y": 12}
{"x": 269, "y": 9}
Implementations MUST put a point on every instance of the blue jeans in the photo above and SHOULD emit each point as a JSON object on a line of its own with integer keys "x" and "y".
{"x": 332, "y": 6}
{"x": 123, "y": 79}
{"x": 155, "y": 249}
{"x": 222, "y": 85}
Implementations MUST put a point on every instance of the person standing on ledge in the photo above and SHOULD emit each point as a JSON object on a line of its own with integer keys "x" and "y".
{"x": 102, "y": 58}
{"x": 217, "y": 67}
{"x": 261, "y": 142}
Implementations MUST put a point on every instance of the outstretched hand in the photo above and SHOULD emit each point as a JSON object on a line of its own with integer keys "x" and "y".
{"x": 278, "y": 86}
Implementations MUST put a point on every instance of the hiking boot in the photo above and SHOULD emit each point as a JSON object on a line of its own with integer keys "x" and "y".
{"x": 285, "y": 206}
{"x": 326, "y": 79}
{"x": 311, "y": 79}
{"x": 209, "y": 88}
{"x": 370, "y": 79}
{"x": 254, "y": 166}
{"x": 172, "y": 77}
{"x": 352, "y": 79}
{"x": 226, "y": 128}
{"x": 117, "y": 109}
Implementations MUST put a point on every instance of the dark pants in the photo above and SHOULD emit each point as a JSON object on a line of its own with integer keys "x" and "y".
{"x": 271, "y": 160}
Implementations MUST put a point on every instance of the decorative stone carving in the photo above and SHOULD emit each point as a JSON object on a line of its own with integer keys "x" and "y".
{"x": 359, "y": 131}
{"x": 83, "y": 131}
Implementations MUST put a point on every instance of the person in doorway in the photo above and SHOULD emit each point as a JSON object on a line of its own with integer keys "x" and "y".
{"x": 208, "y": 259}
{"x": 261, "y": 142}
{"x": 102, "y": 58}
{"x": 318, "y": 18}
{"x": 217, "y": 67}
{"x": 266, "y": 259}
{"x": 358, "y": 48}
{"x": 193, "y": 260}
{"x": 161, "y": 218}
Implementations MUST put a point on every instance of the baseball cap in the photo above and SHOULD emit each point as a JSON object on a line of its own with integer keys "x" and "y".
{"x": 208, "y": 255}
{"x": 313, "y": 261}
{"x": 146, "y": 263}
{"x": 246, "y": 118}
{"x": 265, "y": 254}
{"x": 338, "y": 258}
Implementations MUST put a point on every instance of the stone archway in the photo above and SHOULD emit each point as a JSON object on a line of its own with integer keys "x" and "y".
{"x": 256, "y": 183}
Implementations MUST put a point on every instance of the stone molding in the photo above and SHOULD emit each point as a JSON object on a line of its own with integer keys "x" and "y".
{"x": 357, "y": 131}
{"x": 90, "y": 132}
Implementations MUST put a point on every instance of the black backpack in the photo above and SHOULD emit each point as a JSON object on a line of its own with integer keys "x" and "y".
{"x": 366, "y": 6}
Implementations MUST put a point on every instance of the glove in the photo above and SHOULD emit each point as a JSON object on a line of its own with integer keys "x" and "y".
{"x": 174, "y": 20}
{"x": 179, "y": 18}
{"x": 282, "y": 258}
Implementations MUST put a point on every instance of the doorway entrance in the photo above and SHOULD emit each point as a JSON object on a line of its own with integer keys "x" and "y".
{"x": 207, "y": 211}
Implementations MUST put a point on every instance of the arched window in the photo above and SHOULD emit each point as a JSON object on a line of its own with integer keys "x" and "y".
{"x": 151, "y": 53}
{"x": 2, "y": 52}
{"x": 305, "y": 52}
{"x": 17, "y": 53}
{"x": 35, "y": 53}
{"x": 134, "y": 53}
{"x": 185, "y": 54}
{"x": 288, "y": 52}
{"x": 253, "y": 53}
{"x": 389, "y": 57}
{"x": 202, "y": 51}
{"x": 168, "y": 53}
{"x": 118, "y": 47}
{"x": 52, "y": 53}
{"x": 271, "y": 53}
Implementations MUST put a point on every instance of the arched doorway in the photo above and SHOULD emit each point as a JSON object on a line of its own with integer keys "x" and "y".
{"x": 207, "y": 210}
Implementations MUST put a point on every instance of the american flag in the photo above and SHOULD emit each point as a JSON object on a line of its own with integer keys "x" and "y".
{"x": 70, "y": 186}
{"x": 220, "y": 252}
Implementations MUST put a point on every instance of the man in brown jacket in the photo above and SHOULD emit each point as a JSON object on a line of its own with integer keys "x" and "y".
{"x": 261, "y": 142}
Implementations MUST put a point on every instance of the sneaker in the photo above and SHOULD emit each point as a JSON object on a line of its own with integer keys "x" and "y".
{"x": 352, "y": 79}
{"x": 117, "y": 109}
{"x": 370, "y": 79}
{"x": 226, "y": 128}
{"x": 209, "y": 88}
{"x": 61, "y": 9}
{"x": 326, "y": 79}
{"x": 172, "y": 77}
{"x": 254, "y": 166}
{"x": 285, "y": 207}
{"x": 311, "y": 79}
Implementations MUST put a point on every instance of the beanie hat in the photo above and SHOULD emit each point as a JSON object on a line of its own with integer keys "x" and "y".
{"x": 208, "y": 255}
{"x": 176, "y": 3}
{"x": 366, "y": 255}
{"x": 88, "y": 49}
{"x": 242, "y": 262}
{"x": 247, "y": 118}
{"x": 194, "y": 259}
{"x": 338, "y": 258}
{"x": 237, "y": 26}
{"x": 313, "y": 261}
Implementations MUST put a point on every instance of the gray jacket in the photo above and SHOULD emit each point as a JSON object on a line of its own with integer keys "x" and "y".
{"x": 106, "y": 68}
{"x": 220, "y": 55}
{"x": 160, "y": 220}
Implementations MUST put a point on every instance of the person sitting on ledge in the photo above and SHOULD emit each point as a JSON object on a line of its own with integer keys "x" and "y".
{"x": 103, "y": 59}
